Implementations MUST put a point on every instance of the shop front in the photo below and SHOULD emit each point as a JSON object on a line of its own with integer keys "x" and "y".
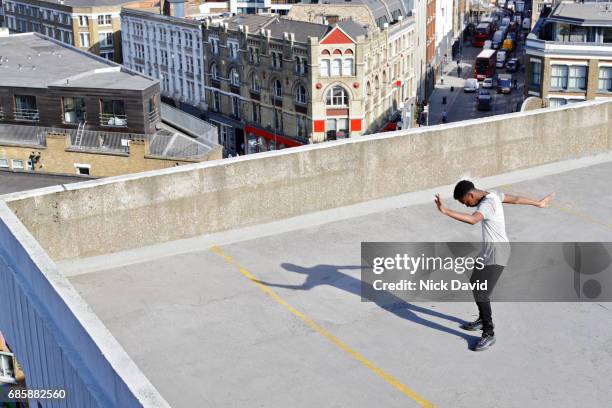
{"x": 261, "y": 140}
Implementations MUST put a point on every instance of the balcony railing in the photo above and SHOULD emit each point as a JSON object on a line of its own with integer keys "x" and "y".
{"x": 27, "y": 115}
{"x": 1, "y": 114}
{"x": 112, "y": 120}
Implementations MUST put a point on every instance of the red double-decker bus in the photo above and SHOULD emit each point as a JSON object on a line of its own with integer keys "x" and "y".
{"x": 482, "y": 33}
{"x": 484, "y": 66}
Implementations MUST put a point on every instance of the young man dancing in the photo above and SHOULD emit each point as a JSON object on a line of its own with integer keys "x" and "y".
{"x": 495, "y": 245}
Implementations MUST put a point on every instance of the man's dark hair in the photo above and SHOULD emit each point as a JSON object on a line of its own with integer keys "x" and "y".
{"x": 462, "y": 188}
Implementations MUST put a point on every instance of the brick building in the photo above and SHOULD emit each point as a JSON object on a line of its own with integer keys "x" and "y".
{"x": 569, "y": 54}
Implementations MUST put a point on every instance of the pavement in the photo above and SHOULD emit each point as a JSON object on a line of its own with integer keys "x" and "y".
{"x": 461, "y": 105}
{"x": 11, "y": 182}
{"x": 271, "y": 316}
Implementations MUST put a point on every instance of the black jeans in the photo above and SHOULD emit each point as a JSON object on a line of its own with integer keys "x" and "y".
{"x": 491, "y": 274}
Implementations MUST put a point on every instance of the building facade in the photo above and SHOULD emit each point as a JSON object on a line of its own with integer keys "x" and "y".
{"x": 87, "y": 24}
{"x": 167, "y": 48}
{"x": 569, "y": 54}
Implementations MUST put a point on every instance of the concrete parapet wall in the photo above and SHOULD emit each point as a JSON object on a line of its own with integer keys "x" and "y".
{"x": 101, "y": 216}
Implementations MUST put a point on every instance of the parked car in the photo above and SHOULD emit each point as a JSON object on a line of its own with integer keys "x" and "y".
{"x": 483, "y": 101}
{"x": 471, "y": 85}
{"x": 512, "y": 65}
{"x": 501, "y": 59}
{"x": 487, "y": 83}
{"x": 504, "y": 83}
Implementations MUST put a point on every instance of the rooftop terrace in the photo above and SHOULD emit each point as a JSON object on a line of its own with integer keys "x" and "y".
{"x": 237, "y": 282}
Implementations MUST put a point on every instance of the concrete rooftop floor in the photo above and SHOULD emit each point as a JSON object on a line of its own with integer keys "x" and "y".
{"x": 207, "y": 335}
{"x": 11, "y": 182}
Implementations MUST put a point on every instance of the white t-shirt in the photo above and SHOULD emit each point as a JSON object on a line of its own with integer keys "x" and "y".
{"x": 495, "y": 244}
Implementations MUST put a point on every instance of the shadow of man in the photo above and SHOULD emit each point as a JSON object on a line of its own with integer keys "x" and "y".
{"x": 330, "y": 275}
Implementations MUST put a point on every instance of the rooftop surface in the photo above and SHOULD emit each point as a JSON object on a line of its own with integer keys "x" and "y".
{"x": 588, "y": 14}
{"x": 12, "y": 182}
{"x": 271, "y": 315}
{"x": 36, "y": 61}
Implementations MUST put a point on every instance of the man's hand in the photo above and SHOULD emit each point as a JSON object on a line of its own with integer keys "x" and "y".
{"x": 438, "y": 202}
{"x": 546, "y": 200}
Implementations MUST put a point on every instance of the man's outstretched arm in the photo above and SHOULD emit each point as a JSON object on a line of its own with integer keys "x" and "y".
{"x": 512, "y": 199}
{"x": 459, "y": 216}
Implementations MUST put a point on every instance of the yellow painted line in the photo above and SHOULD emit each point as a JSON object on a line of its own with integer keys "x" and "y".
{"x": 569, "y": 210}
{"x": 333, "y": 339}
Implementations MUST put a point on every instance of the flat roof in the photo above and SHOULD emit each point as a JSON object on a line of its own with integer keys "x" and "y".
{"x": 33, "y": 60}
{"x": 587, "y": 14}
{"x": 205, "y": 332}
{"x": 13, "y": 181}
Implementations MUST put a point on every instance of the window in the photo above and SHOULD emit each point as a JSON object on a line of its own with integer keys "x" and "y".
{"x": 234, "y": 77}
{"x": 255, "y": 84}
{"x": 4, "y": 163}
{"x": 301, "y": 67}
{"x": 164, "y": 57}
{"x": 605, "y": 79}
{"x": 82, "y": 168}
{"x": 74, "y": 110}
{"x": 253, "y": 55}
{"x": 536, "y": 73}
{"x": 139, "y": 48}
{"x": 336, "y": 67}
{"x": 189, "y": 64}
{"x": 236, "y": 107}
{"x": 558, "y": 76}
{"x": 138, "y": 29}
{"x": 337, "y": 96}
{"x": 190, "y": 90}
{"x": 83, "y": 21}
{"x": 337, "y": 128}
{"x": 256, "y": 113}
{"x": 106, "y": 39}
{"x": 233, "y": 49}
{"x": 277, "y": 60}
{"x": 301, "y": 127}
{"x": 188, "y": 40}
{"x": 278, "y": 89}
{"x": 556, "y": 102}
{"x": 324, "y": 68}
{"x": 26, "y": 108}
{"x": 109, "y": 55}
{"x": 347, "y": 67}
{"x": 105, "y": 19}
{"x": 214, "y": 45}
{"x": 216, "y": 101}
{"x": 300, "y": 94}
{"x": 84, "y": 37}
{"x": 17, "y": 164}
{"x": 214, "y": 71}
{"x": 577, "y": 77}
{"x": 112, "y": 113}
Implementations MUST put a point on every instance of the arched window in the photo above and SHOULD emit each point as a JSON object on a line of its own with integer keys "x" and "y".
{"x": 234, "y": 77}
{"x": 255, "y": 83}
{"x": 325, "y": 52}
{"x": 300, "y": 94}
{"x": 337, "y": 52}
{"x": 336, "y": 67}
{"x": 347, "y": 67}
{"x": 325, "y": 68}
{"x": 336, "y": 96}
{"x": 278, "y": 89}
{"x": 348, "y": 52}
{"x": 214, "y": 71}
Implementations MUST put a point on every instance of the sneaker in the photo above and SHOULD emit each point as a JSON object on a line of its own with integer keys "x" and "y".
{"x": 486, "y": 341}
{"x": 472, "y": 326}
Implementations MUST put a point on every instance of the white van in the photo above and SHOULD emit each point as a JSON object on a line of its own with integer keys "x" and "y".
{"x": 526, "y": 24}
{"x": 498, "y": 37}
{"x": 501, "y": 59}
{"x": 471, "y": 85}
{"x": 487, "y": 45}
